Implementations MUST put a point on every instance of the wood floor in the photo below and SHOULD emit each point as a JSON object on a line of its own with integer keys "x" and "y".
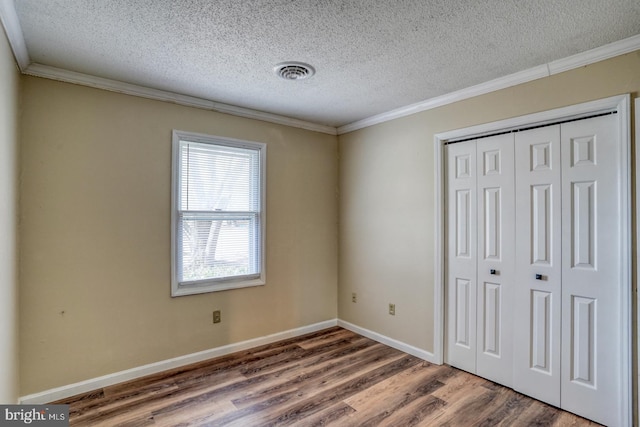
{"x": 332, "y": 377}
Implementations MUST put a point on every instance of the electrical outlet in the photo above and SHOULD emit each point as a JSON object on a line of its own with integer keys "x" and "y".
{"x": 354, "y": 297}
{"x": 392, "y": 309}
{"x": 217, "y": 317}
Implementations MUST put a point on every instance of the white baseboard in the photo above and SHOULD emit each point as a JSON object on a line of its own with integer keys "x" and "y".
{"x": 414, "y": 351}
{"x": 152, "y": 368}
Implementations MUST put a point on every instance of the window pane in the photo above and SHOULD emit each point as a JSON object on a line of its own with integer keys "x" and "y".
{"x": 217, "y": 248}
{"x": 219, "y": 178}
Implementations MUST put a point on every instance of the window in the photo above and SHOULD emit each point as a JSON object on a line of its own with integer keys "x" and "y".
{"x": 217, "y": 237}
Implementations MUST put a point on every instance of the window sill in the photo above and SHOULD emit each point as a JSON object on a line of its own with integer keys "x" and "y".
{"x": 178, "y": 290}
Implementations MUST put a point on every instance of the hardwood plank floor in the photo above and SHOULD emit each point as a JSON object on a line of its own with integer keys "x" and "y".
{"x": 332, "y": 377}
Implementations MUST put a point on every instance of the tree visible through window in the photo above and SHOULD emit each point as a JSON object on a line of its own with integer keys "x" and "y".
{"x": 218, "y": 213}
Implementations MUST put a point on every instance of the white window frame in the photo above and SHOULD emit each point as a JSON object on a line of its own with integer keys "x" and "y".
{"x": 212, "y": 285}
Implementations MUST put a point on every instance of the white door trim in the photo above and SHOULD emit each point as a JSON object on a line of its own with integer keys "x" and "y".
{"x": 635, "y": 284}
{"x": 622, "y": 105}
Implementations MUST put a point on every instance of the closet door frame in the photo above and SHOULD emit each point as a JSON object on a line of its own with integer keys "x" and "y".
{"x": 621, "y": 105}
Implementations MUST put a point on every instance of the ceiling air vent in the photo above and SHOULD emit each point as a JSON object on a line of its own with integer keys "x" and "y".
{"x": 294, "y": 70}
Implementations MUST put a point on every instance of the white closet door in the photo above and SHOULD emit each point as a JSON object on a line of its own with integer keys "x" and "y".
{"x": 461, "y": 255}
{"x": 537, "y": 307}
{"x": 591, "y": 269}
{"x": 534, "y": 274}
{"x": 496, "y": 226}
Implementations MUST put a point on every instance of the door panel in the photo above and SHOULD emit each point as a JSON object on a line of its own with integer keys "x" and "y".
{"x": 461, "y": 255}
{"x": 583, "y": 314}
{"x": 495, "y": 189}
{"x": 462, "y": 323}
{"x": 462, "y": 222}
{"x": 536, "y": 366}
{"x": 492, "y": 319}
{"x": 540, "y": 224}
{"x": 541, "y": 331}
{"x": 583, "y": 223}
{"x": 492, "y": 223}
{"x": 591, "y": 269}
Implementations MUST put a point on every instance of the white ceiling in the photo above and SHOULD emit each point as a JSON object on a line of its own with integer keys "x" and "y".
{"x": 371, "y": 56}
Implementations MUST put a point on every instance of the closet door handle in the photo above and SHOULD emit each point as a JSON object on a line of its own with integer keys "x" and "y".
{"x": 492, "y": 271}
{"x": 538, "y": 276}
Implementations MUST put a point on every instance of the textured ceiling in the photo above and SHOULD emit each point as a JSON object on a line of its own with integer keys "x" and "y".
{"x": 371, "y": 56}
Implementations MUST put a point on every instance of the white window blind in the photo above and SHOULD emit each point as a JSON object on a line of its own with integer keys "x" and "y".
{"x": 218, "y": 217}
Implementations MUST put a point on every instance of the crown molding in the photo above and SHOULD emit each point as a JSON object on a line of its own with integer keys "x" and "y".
{"x": 449, "y": 98}
{"x": 575, "y": 61}
{"x": 11, "y": 24}
{"x": 54, "y": 73}
{"x": 595, "y": 55}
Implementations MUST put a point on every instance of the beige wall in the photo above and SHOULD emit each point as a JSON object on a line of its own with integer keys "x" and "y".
{"x": 9, "y": 110}
{"x": 387, "y": 195}
{"x": 95, "y": 239}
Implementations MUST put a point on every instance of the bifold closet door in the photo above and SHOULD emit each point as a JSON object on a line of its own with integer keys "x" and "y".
{"x": 461, "y": 255}
{"x": 568, "y": 263}
{"x": 496, "y": 227}
{"x": 537, "y": 303}
{"x": 591, "y": 269}
{"x": 534, "y": 286}
{"x": 480, "y": 256}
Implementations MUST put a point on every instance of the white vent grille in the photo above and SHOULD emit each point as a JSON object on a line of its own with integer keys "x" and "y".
{"x": 294, "y": 70}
